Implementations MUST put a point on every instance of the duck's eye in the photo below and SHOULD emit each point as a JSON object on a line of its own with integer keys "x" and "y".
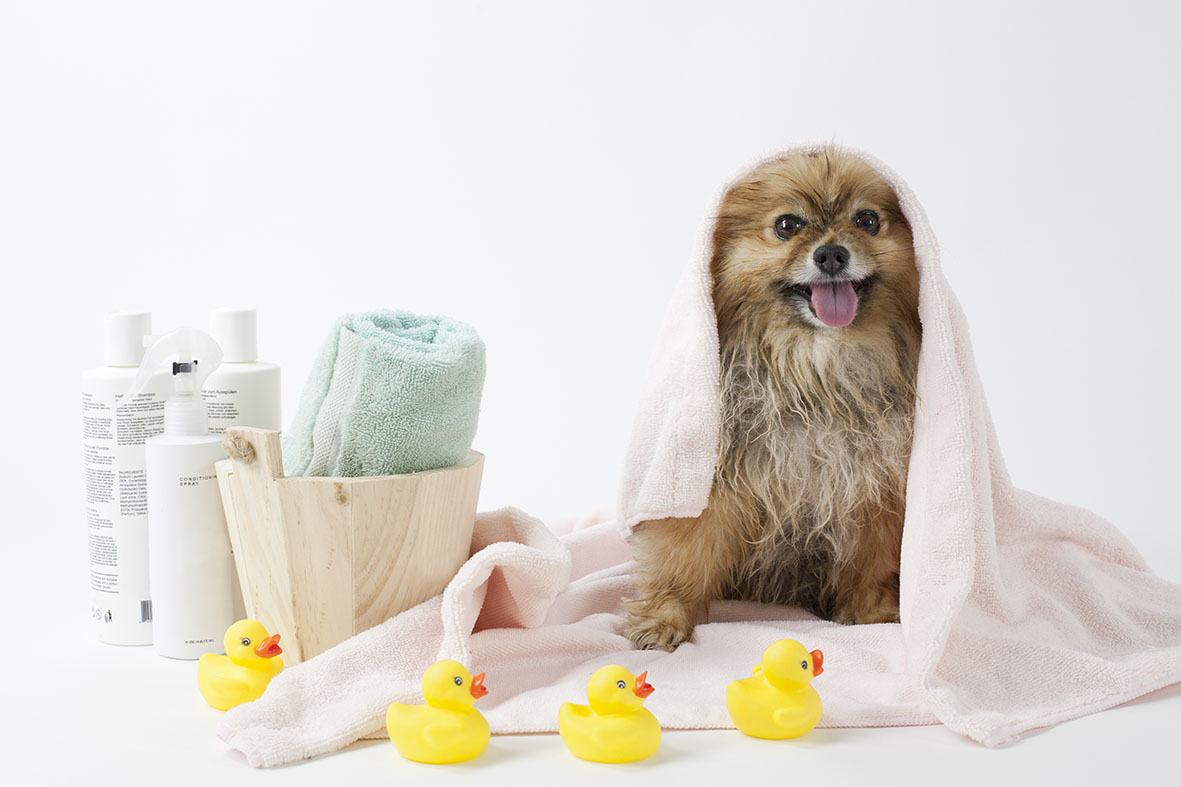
{"x": 458, "y": 680}
{"x": 788, "y": 225}
{"x": 621, "y": 684}
{"x": 803, "y": 665}
{"x": 246, "y": 641}
{"x": 868, "y": 220}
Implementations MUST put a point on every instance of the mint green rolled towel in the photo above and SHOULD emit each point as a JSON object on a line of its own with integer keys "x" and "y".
{"x": 390, "y": 392}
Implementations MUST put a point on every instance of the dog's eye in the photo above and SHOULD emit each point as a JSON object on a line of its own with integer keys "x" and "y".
{"x": 868, "y": 221}
{"x": 788, "y": 225}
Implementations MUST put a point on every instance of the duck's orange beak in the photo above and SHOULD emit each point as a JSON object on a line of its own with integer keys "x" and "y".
{"x": 477, "y": 689}
{"x": 817, "y": 663}
{"x": 643, "y": 687}
{"x": 269, "y": 647}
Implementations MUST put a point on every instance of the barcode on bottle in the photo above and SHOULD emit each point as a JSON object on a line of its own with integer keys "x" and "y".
{"x": 145, "y": 611}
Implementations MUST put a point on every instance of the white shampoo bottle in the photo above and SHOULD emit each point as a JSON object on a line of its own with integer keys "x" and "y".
{"x": 115, "y": 483}
{"x": 244, "y": 391}
{"x": 189, "y": 554}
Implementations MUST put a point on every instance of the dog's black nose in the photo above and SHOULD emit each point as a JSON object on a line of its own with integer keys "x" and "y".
{"x": 832, "y": 259}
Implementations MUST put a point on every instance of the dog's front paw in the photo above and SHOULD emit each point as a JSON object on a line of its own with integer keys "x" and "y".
{"x": 660, "y": 629}
{"x": 655, "y": 634}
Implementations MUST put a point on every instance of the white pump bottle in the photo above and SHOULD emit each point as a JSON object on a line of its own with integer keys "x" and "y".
{"x": 189, "y": 559}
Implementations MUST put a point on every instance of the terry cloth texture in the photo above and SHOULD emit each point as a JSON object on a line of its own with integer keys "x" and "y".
{"x": 992, "y": 577}
{"x": 390, "y": 392}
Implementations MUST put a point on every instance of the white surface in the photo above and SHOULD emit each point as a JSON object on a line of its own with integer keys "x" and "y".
{"x": 142, "y": 721}
{"x": 543, "y": 172}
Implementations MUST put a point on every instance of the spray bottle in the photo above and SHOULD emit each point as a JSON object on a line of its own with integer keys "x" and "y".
{"x": 189, "y": 559}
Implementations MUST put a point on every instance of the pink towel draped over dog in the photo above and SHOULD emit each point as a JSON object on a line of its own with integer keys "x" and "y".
{"x": 1017, "y": 612}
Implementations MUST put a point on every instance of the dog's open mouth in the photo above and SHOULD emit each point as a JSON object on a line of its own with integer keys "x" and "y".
{"x": 834, "y": 303}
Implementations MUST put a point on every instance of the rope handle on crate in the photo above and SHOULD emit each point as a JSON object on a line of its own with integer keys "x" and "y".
{"x": 238, "y": 448}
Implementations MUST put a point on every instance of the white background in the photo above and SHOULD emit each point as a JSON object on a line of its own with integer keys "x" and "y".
{"x": 544, "y": 171}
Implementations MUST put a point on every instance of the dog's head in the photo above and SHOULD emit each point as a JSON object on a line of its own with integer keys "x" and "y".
{"x": 811, "y": 251}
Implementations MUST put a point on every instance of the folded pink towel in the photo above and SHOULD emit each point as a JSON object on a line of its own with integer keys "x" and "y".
{"x": 1017, "y": 612}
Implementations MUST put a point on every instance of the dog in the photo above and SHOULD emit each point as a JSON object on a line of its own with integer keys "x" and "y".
{"x": 815, "y": 292}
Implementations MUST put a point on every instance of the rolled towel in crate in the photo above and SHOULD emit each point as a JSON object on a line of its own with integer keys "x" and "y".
{"x": 390, "y": 392}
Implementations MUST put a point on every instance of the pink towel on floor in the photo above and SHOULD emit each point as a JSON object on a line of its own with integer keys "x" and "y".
{"x": 1018, "y": 612}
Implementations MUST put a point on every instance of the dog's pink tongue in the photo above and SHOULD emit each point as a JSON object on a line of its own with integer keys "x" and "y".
{"x": 835, "y": 304}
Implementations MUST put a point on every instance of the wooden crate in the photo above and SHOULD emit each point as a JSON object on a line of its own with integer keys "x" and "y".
{"x": 322, "y": 559}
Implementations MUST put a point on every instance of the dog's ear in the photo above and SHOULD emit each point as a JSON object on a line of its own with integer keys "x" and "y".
{"x": 719, "y": 246}
{"x": 728, "y": 223}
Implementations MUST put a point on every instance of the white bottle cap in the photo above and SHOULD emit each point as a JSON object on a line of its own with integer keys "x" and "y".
{"x": 123, "y": 337}
{"x": 236, "y": 331}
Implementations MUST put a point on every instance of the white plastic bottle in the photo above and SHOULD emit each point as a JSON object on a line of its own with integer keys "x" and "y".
{"x": 188, "y": 545}
{"x": 244, "y": 391}
{"x": 115, "y": 484}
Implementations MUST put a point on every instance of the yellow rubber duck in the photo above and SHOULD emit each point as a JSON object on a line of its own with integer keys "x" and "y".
{"x": 616, "y": 727}
{"x": 779, "y": 701}
{"x": 251, "y": 660}
{"x": 447, "y": 729}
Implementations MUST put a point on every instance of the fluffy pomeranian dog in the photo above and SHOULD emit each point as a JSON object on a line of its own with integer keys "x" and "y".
{"x": 816, "y": 296}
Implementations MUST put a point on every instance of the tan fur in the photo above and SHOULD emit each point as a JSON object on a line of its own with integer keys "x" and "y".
{"x": 808, "y": 496}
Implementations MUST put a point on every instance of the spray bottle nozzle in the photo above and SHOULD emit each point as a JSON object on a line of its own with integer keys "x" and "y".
{"x": 184, "y": 412}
